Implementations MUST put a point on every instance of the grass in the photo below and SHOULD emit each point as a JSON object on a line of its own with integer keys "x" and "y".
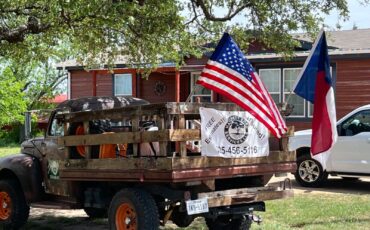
{"x": 311, "y": 212}
{"x": 318, "y": 211}
{"x": 11, "y": 149}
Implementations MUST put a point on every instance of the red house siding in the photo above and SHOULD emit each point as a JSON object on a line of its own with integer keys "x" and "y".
{"x": 184, "y": 86}
{"x": 81, "y": 84}
{"x": 299, "y": 125}
{"x": 353, "y": 85}
{"x": 104, "y": 84}
{"x": 146, "y": 87}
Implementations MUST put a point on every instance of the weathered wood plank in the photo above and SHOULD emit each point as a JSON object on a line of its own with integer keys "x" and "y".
{"x": 131, "y": 137}
{"x": 193, "y": 108}
{"x": 115, "y": 114}
{"x": 204, "y": 162}
{"x": 177, "y": 163}
{"x": 66, "y": 149}
{"x": 162, "y": 144}
{"x": 181, "y": 125}
{"x": 183, "y": 175}
{"x": 87, "y": 147}
{"x": 149, "y": 163}
{"x": 135, "y": 127}
{"x": 246, "y": 195}
{"x": 148, "y": 110}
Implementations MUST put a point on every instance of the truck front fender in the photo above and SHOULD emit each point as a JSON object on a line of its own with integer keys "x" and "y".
{"x": 27, "y": 171}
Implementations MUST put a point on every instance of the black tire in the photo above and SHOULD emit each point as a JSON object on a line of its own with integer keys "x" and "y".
{"x": 309, "y": 172}
{"x": 136, "y": 204}
{"x": 227, "y": 223}
{"x": 181, "y": 219}
{"x": 95, "y": 213}
{"x": 18, "y": 214}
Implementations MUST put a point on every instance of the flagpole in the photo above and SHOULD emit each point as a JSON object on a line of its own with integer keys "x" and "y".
{"x": 287, "y": 100}
{"x": 192, "y": 92}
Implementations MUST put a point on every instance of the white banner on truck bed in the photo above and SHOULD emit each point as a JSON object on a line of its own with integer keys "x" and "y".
{"x": 232, "y": 134}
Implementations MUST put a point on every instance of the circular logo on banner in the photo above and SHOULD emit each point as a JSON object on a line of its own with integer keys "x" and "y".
{"x": 236, "y": 130}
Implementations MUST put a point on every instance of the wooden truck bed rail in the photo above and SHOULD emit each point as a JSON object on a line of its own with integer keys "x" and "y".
{"x": 173, "y": 165}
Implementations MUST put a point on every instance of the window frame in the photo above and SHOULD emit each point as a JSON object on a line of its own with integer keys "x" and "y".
{"x": 53, "y": 120}
{"x": 288, "y": 92}
{"x": 192, "y": 86}
{"x": 115, "y": 84}
{"x": 280, "y": 83}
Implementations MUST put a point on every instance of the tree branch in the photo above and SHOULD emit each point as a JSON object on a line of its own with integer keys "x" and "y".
{"x": 18, "y": 34}
{"x": 232, "y": 13}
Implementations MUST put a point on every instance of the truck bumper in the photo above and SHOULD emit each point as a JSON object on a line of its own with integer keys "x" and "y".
{"x": 247, "y": 195}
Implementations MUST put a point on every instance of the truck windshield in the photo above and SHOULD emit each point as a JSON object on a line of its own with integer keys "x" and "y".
{"x": 56, "y": 128}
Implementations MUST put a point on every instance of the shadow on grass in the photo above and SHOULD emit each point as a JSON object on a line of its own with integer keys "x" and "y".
{"x": 46, "y": 222}
{"x": 334, "y": 185}
{"x": 338, "y": 185}
{"x": 325, "y": 222}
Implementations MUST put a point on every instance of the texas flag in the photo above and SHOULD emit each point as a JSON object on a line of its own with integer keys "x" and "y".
{"x": 315, "y": 85}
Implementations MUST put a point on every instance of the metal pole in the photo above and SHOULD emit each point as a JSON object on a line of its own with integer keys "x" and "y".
{"x": 192, "y": 93}
{"x": 287, "y": 100}
{"x": 27, "y": 125}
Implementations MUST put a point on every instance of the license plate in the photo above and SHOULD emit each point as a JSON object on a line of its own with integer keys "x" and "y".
{"x": 197, "y": 206}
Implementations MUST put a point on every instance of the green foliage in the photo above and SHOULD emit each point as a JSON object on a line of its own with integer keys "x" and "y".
{"x": 143, "y": 32}
{"x": 12, "y": 103}
{"x": 26, "y": 85}
{"x": 12, "y": 135}
{"x": 41, "y": 81}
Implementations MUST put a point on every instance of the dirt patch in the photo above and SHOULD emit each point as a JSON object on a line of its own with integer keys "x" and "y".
{"x": 50, "y": 219}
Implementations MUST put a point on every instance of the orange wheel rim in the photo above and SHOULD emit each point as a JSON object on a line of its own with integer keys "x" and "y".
{"x": 126, "y": 217}
{"x": 5, "y": 206}
{"x": 80, "y": 149}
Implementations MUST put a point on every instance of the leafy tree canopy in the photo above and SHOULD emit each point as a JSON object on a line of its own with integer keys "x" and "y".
{"x": 12, "y": 103}
{"x": 150, "y": 31}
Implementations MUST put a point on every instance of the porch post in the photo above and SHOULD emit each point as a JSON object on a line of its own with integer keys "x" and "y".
{"x": 177, "y": 75}
{"x": 94, "y": 82}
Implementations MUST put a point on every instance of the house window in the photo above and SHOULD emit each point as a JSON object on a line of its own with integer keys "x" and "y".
{"x": 310, "y": 109}
{"x": 279, "y": 81}
{"x": 290, "y": 76}
{"x": 200, "y": 93}
{"x": 122, "y": 84}
{"x": 271, "y": 78}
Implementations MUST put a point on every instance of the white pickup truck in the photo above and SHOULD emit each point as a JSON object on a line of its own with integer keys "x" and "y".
{"x": 349, "y": 158}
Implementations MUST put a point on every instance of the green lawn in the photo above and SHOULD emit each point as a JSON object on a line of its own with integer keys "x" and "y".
{"x": 311, "y": 211}
{"x": 4, "y": 151}
{"x": 319, "y": 211}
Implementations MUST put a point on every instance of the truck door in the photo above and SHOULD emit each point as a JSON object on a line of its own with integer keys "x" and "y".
{"x": 351, "y": 152}
{"x": 52, "y": 155}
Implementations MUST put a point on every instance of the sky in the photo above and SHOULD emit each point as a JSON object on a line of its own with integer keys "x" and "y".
{"x": 359, "y": 15}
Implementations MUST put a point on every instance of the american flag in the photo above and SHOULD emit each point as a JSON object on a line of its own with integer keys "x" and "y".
{"x": 228, "y": 72}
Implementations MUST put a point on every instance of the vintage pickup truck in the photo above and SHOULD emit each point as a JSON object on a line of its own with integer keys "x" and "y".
{"x": 104, "y": 156}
